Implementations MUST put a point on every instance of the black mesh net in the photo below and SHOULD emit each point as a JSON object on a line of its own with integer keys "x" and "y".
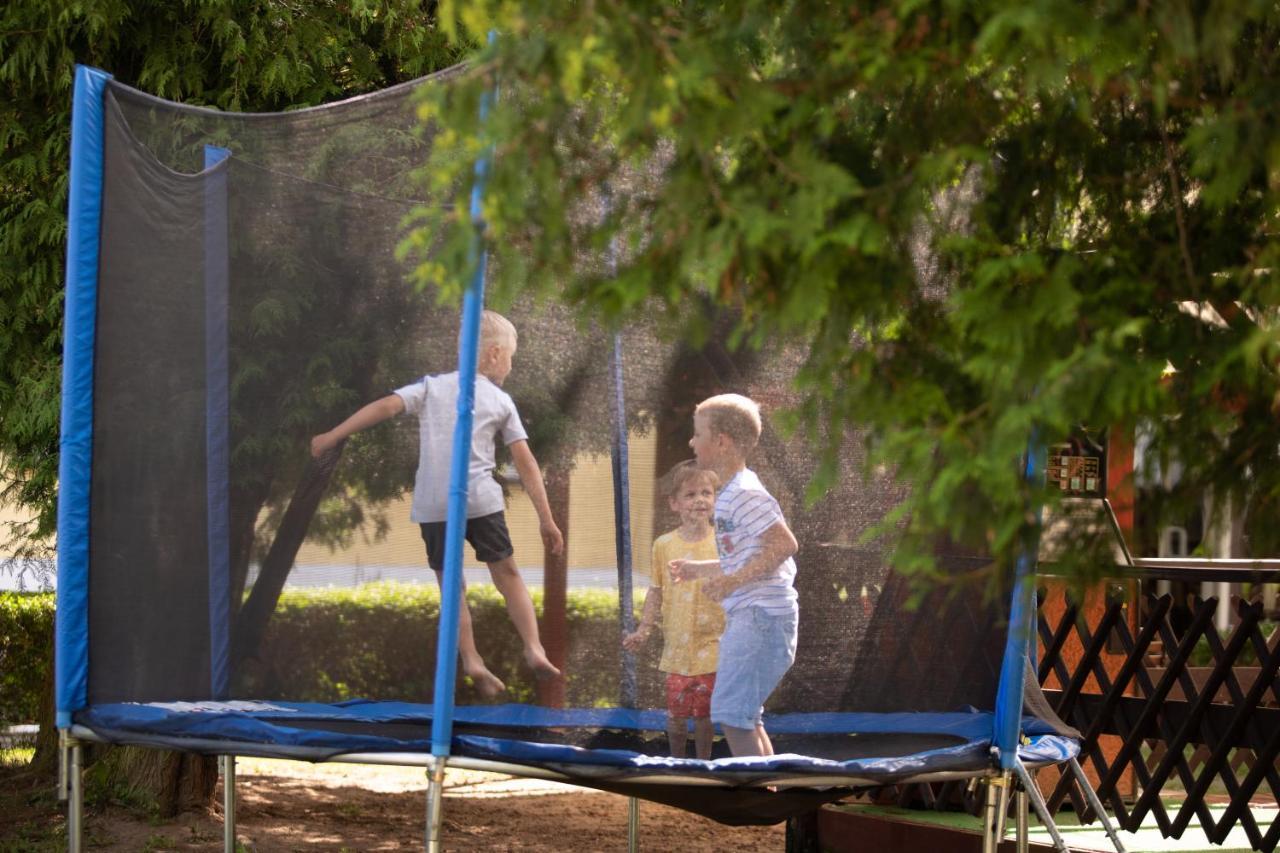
{"x": 247, "y": 306}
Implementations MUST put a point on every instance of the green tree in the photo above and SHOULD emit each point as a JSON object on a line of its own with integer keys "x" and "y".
{"x": 978, "y": 220}
{"x": 261, "y": 56}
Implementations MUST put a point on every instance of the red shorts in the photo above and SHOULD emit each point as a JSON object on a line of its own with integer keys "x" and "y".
{"x": 690, "y": 695}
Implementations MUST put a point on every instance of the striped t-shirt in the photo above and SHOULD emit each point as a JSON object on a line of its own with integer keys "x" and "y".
{"x": 744, "y": 511}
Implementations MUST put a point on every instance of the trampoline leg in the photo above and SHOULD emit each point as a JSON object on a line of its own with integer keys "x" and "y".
{"x": 989, "y": 819}
{"x": 1020, "y": 805}
{"x": 1096, "y": 804}
{"x": 75, "y": 804}
{"x": 1002, "y": 806}
{"x": 435, "y": 802}
{"x": 633, "y": 825}
{"x": 227, "y": 764}
{"x": 1037, "y": 803}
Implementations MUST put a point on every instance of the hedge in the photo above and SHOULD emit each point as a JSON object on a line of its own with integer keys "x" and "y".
{"x": 379, "y": 641}
{"x": 26, "y": 632}
{"x": 376, "y": 641}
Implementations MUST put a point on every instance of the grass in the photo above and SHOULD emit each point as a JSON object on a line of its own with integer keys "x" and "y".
{"x": 1174, "y": 785}
{"x": 17, "y": 756}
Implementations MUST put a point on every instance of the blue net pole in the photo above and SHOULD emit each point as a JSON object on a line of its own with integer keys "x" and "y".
{"x": 622, "y": 522}
{"x": 217, "y": 275}
{"x": 456, "y": 517}
{"x": 84, "y": 219}
{"x": 1022, "y": 611}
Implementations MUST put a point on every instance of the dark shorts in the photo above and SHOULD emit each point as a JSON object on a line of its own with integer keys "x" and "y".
{"x": 487, "y": 534}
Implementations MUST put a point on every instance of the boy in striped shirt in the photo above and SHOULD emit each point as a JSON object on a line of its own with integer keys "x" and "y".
{"x": 753, "y": 577}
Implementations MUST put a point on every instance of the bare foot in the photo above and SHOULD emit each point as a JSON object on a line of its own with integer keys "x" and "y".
{"x": 542, "y": 668}
{"x": 489, "y": 685}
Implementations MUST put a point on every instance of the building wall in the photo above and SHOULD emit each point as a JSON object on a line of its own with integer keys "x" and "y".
{"x": 591, "y": 524}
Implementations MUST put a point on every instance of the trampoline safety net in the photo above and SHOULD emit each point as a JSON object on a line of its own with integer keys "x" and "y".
{"x": 250, "y": 296}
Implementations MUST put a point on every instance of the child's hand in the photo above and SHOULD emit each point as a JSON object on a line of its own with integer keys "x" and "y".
{"x": 634, "y": 641}
{"x": 552, "y": 538}
{"x": 322, "y": 444}
{"x": 685, "y": 569}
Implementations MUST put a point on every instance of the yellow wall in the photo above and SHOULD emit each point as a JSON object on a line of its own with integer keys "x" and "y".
{"x": 591, "y": 524}
{"x": 10, "y": 515}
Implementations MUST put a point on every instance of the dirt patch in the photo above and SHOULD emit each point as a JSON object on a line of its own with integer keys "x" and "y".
{"x": 287, "y": 806}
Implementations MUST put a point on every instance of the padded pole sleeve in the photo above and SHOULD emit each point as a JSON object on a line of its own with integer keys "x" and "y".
{"x": 622, "y": 522}
{"x": 456, "y": 516}
{"x": 84, "y": 217}
{"x": 217, "y": 275}
{"x": 1008, "y": 717}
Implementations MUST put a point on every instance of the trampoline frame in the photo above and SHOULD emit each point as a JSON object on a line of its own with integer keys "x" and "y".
{"x": 1007, "y": 773}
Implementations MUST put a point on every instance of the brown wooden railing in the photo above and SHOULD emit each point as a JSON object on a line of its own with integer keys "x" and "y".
{"x": 1175, "y": 715}
{"x": 1192, "y": 715}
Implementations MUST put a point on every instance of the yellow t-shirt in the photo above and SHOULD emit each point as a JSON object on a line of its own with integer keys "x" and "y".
{"x": 691, "y": 622}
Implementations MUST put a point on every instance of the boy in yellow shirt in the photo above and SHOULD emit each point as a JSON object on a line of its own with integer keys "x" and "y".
{"x": 691, "y": 622}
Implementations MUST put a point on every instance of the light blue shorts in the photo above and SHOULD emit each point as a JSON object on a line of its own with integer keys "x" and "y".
{"x": 756, "y": 650}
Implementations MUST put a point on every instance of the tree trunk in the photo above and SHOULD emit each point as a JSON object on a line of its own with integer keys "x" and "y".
{"x": 251, "y": 621}
{"x": 45, "y": 761}
{"x": 555, "y": 628}
{"x": 169, "y": 782}
{"x": 154, "y": 779}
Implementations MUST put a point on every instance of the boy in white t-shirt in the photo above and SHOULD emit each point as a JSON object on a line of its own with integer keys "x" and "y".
{"x": 434, "y": 400}
{"x": 753, "y": 577}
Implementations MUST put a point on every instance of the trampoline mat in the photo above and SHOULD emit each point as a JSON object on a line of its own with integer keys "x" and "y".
{"x": 618, "y": 750}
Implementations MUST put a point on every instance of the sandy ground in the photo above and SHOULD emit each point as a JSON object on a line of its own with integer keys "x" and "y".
{"x": 287, "y": 806}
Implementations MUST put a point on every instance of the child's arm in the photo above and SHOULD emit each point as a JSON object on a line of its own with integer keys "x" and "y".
{"x": 531, "y": 479}
{"x": 652, "y": 607}
{"x": 778, "y": 543}
{"x": 691, "y": 570}
{"x": 374, "y": 413}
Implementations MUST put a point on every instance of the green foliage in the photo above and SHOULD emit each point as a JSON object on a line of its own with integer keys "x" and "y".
{"x": 978, "y": 219}
{"x": 379, "y": 641}
{"x": 376, "y": 641}
{"x": 26, "y": 638}
{"x": 1202, "y": 655}
{"x": 258, "y": 56}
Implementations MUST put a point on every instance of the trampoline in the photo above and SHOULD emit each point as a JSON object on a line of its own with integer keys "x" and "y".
{"x": 233, "y": 286}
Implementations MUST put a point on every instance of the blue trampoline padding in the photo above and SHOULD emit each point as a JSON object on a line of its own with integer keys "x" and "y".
{"x": 972, "y": 724}
{"x": 967, "y": 756}
{"x": 267, "y": 724}
{"x": 84, "y": 218}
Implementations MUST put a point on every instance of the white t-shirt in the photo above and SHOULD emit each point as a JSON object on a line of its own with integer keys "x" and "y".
{"x": 434, "y": 399}
{"x": 744, "y": 511}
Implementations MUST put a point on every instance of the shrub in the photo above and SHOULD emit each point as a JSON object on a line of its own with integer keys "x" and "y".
{"x": 379, "y": 641}
{"x": 376, "y": 641}
{"x": 26, "y": 634}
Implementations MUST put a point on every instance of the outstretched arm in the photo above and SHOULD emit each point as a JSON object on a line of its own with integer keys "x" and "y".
{"x": 374, "y": 413}
{"x": 684, "y": 569}
{"x": 531, "y": 479}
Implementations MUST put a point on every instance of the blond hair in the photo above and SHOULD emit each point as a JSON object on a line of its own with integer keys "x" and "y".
{"x": 496, "y": 331}
{"x": 682, "y": 472}
{"x": 735, "y": 416}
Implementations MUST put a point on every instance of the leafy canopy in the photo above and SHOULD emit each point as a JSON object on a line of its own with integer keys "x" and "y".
{"x": 261, "y": 56}
{"x": 980, "y": 218}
